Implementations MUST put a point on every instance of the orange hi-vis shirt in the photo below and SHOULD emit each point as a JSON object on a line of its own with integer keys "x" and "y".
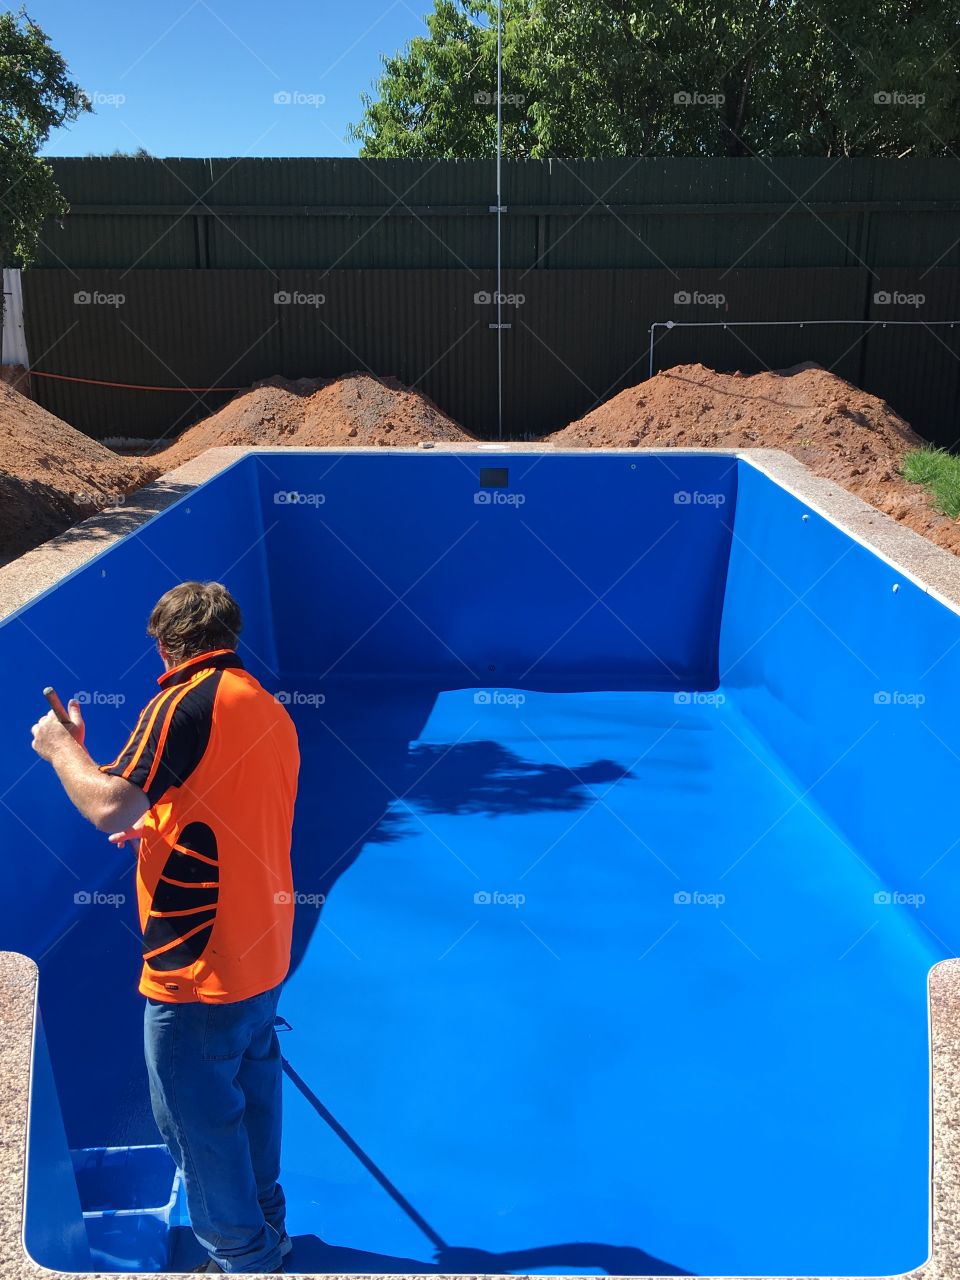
{"x": 217, "y": 758}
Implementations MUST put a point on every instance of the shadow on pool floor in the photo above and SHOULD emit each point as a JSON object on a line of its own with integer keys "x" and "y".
{"x": 365, "y": 745}
{"x": 311, "y": 1255}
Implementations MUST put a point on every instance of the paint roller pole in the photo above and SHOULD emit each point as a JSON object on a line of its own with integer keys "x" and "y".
{"x": 364, "y": 1159}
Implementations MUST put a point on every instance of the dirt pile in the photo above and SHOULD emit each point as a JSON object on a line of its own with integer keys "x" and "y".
{"x": 17, "y": 375}
{"x": 356, "y": 409}
{"x": 838, "y": 431}
{"x": 52, "y": 475}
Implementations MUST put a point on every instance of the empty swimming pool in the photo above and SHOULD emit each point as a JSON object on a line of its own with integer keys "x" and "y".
{"x": 622, "y": 855}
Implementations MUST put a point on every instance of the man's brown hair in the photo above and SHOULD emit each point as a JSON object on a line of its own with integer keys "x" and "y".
{"x": 193, "y": 618}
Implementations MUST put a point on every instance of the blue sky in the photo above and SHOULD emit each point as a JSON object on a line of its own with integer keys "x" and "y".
{"x": 198, "y": 77}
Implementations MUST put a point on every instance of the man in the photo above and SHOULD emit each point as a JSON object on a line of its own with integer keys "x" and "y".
{"x": 207, "y": 783}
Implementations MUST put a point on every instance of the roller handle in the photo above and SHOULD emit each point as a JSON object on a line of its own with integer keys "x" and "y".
{"x": 56, "y": 706}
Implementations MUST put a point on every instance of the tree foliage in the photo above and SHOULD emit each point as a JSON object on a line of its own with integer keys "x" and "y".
{"x": 36, "y": 95}
{"x": 590, "y": 78}
{"x": 437, "y": 98}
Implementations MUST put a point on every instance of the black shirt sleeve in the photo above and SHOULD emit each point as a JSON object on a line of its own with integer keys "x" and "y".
{"x": 170, "y": 739}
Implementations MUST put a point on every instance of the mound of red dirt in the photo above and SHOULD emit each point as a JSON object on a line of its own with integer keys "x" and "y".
{"x": 837, "y": 430}
{"x": 52, "y": 475}
{"x": 356, "y": 409}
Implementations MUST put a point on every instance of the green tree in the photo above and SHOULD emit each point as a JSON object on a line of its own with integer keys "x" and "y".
{"x": 437, "y": 98}
{"x": 118, "y": 153}
{"x": 591, "y": 78}
{"x": 36, "y": 95}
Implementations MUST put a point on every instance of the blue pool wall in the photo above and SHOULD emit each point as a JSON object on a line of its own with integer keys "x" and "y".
{"x": 712, "y": 601}
{"x": 53, "y": 1229}
{"x": 89, "y": 635}
{"x": 506, "y": 589}
{"x": 849, "y": 670}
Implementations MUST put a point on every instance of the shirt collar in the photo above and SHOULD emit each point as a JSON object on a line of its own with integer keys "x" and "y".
{"x": 216, "y": 660}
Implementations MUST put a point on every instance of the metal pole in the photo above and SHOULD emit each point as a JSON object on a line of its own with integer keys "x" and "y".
{"x": 499, "y": 214}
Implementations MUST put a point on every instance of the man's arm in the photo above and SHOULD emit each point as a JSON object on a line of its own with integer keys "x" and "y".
{"x": 110, "y": 803}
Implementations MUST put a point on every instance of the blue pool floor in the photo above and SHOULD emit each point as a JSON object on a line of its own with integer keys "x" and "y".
{"x": 596, "y": 986}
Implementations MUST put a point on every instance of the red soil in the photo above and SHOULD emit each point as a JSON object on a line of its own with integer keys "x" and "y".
{"x": 52, "y": 475}
{"x": 354, "y": 410}
{"x": 837, "y": 430}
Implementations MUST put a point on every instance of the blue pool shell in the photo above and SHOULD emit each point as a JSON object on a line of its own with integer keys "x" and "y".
{"x": 722, "y": 697}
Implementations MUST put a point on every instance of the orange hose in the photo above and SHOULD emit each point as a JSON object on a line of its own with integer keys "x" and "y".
{"x": 127, "y": 386}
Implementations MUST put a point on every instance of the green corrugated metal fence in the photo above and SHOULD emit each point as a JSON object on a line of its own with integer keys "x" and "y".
{"x": 599, "y": 250}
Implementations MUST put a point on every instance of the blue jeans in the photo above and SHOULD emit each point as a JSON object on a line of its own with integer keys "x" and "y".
{"x": 215, "y": 1085}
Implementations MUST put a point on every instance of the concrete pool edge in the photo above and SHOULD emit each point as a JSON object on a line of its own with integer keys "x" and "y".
{"x": 934, "y": 570}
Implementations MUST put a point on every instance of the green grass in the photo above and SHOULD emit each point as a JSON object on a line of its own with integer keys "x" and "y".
{"x": 939, "y": 472}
